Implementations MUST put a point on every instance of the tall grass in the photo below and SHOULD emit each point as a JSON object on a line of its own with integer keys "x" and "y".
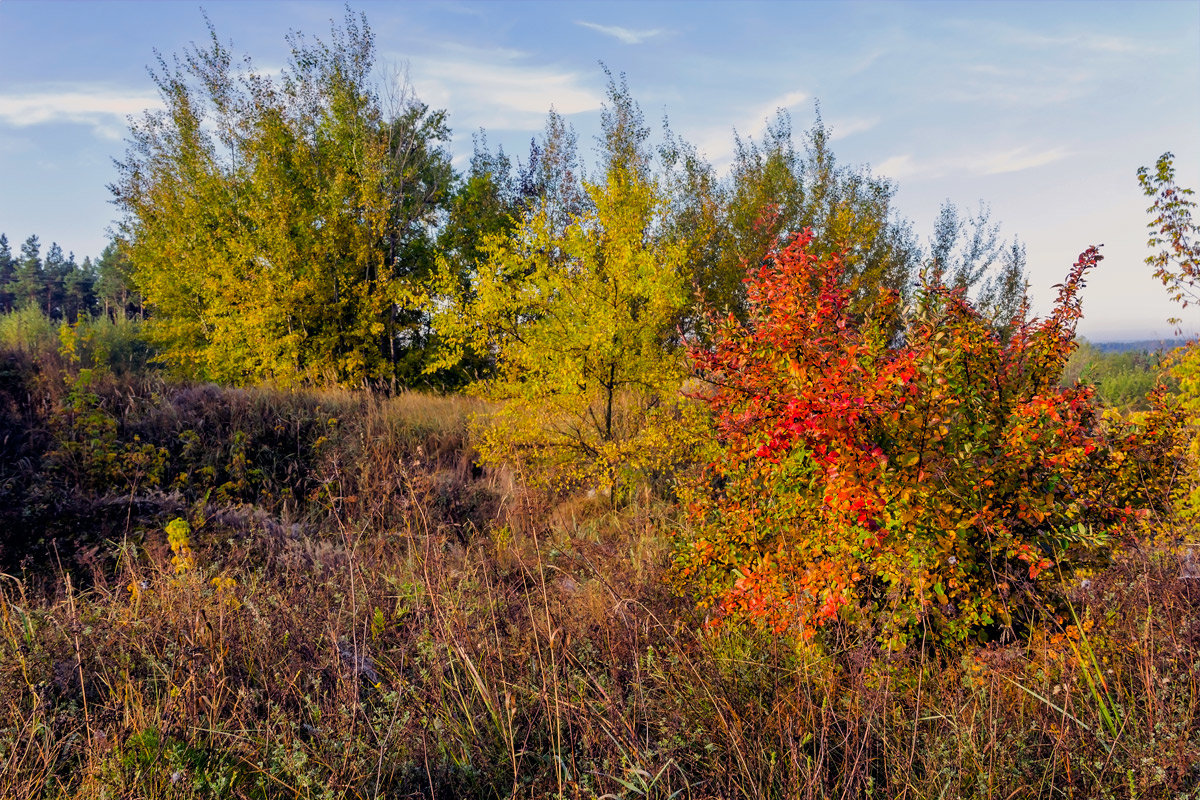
{"x": 367, "y": 614}
{"x": 115, "y": 344}
{"x": 28, "y": 331}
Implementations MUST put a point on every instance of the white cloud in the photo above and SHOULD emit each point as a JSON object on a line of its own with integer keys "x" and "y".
{"x": 626, "y": 35}
{"x": 867, "y": 60}
{"x": 105, "y": 110}
{"x": 1075, "y": 40}
{"x": 1090, "y": 42}
{"x": 1015, "y": 160}
{"x": 499, "y": 89}
{"x": 785, "y": 101}
{"x": 897, "y": 167}
{"x": 995, "y": 162}
{"x": 1025, "y": 87}
{"x": 845, "y": 128}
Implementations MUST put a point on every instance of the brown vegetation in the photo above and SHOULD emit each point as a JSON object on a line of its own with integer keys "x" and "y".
{"x": 356, "y": 610}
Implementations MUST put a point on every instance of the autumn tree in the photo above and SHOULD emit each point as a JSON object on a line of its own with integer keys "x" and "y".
{"x": 281, "y": 228}
{"x": 487, "y": 202}
{"x": 934, "y": 487}
{"x": 1174, "y": 237}
{"x": 695, "y": 218}
{"x": 780, "y": 184}
{"x": 579, "y": 306}
{"x": 1175, "y": 261}
{"x": 551, "y": 179}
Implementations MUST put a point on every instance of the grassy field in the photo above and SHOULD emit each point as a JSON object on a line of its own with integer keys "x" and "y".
{"x": 251, "y": 593}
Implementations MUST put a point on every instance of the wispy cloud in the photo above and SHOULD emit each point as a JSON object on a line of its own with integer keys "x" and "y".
{"x": 867, "y": 60}
{"x": 1030, "y": 85}
{"x": 1014, "y": 160}
{"x": 1074, "y": 40}
{"x": 15, "y": 144}
{"x": 845, "y": 128}
{"x": 461, "y": 9}
{"x": 626, "y": 35}
{"x": 897, "y": 167}
{"x": 499, "y": 88}
{"x": 104, "y": 109}
{"x": 1007, "y": 64}
{"x": 786, "y": 101}
{"x": 991, "y": 162}
{"x": 1091, "y": 42}
{"x": 717, "y": 142}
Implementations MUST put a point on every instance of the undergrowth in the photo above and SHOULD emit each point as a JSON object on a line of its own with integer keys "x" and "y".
{"x": 255, "y": 593}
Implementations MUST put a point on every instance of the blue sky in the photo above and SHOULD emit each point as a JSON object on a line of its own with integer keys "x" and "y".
{"x": 1043, "y": 110}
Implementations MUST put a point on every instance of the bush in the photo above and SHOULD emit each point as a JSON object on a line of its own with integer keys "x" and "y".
{"x": 27, "y": 331}
{"x": 941, "y": 485}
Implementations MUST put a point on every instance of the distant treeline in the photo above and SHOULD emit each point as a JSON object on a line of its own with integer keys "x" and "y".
{"x": 1123, "y": 373}
{"x": 1147, "y": 345}
{"x": 62, "y": 288}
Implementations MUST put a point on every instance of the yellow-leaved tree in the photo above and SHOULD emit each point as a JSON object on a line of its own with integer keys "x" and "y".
{"x": 280, "y": 227}
{"x": 581, "y": 322}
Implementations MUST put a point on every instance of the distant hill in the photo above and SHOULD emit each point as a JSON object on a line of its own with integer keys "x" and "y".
{"x": 1148, "y": 345}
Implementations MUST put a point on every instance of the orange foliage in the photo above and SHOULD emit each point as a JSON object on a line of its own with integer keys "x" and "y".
{"x": 940, "y": 482}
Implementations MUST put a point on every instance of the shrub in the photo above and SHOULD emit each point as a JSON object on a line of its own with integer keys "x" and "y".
{"x": 27, "y": 331}
{"x": 938, "y": 484}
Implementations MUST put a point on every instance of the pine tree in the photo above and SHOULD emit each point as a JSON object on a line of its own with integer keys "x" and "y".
{"x": 8, "y": 266}
{"x": 79, "y": 295}
{"x": 29, "y": 278}
{"x": 55, "y": 269}
{"x": 114, "y": 282}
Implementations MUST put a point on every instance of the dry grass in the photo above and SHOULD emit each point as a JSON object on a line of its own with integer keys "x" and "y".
{"x": 371, "y": 615}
